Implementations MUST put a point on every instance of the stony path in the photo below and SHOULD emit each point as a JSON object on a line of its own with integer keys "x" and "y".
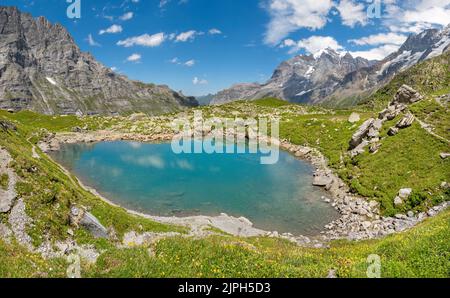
{"x": 7, "y": 195}
{"x": 429, "y": 128}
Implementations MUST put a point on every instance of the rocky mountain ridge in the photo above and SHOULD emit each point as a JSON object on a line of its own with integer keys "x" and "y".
{"x": 338, "y": 78}
{"x": 302, "y": 79}
{"x": 42, "y": 69}
{"x": 417, "y": 48}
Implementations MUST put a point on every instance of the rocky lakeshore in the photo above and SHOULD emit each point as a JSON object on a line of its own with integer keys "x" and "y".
{"x": 359, "y": 218}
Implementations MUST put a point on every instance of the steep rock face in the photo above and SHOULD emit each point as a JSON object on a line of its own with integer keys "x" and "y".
{"x": 300, "y": 79}
{"x": 42, "y": 69}
{"x": 330, "y": 77}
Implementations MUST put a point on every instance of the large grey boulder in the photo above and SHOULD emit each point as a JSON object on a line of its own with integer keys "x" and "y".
{"x": 392, "y": 131}
{"x": 359, "y": 149}
{"x": 406, "y": 121}
{"x": 322, "y": 180}
{"x": 407, "y": 95}
{"x": 361, "y": 133}
{"x": 81, "y": 217}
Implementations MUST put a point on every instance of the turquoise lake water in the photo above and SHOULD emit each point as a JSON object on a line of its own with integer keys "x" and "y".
{"x": 150, "y": 178}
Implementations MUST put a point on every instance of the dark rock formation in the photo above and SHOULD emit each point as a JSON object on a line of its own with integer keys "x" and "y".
{"x": 42, "y": 69}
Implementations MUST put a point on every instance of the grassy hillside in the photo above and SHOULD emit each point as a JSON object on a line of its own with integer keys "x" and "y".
{"x": 421, "y": 252}
{"x": 408, "y": 159}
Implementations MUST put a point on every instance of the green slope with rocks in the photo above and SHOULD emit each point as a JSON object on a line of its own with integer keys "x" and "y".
{"x": 41, "y": 226}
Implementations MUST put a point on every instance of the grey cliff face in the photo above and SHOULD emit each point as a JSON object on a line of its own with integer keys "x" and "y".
{"x": 329, "y": 77}
{"x": 42, "y": 69}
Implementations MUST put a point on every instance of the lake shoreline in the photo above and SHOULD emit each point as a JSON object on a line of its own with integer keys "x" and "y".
{"x": 359, "y": 218}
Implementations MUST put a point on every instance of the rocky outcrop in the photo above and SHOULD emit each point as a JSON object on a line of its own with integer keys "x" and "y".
{"x": 369, "y": 132}
{"x": 407, "y": 95}
{"x": 42, "y": 69}
{"x": 361, "y": 133}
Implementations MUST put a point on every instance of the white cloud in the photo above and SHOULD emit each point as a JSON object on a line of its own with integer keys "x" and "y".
{"x": 91, "y": 41}
{"x": 313, "y": 44}
{"x": 185, "y": 36}
{"x": 163, "y": 3}
{"x": 197, "y": 81}
{"x": 134, "y": 58}
{"x": 127, "y": 16}
{"x": 177, "y": 61}
{"x": 352, "y": 13}
{"x": 287, "y": 16}
{"x": 145, "y": 40}
{"x": 184, "y": 165}
{"x": 378, "y": 53}
{"x": 190, "y": 63}
{"x": 434, "y": 15}
{"x": 380, "y": 39}
{"x": 288, "y": 43}
{"x": 214, "y": 31}
{"x": 290, "y": 15}
{"x": 150, "y": 161}
{"x": 113, "y": 29}
{"x": 416, "y": 16}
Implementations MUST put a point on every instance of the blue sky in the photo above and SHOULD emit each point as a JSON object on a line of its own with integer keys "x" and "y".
{"x": 203, "y": 46}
